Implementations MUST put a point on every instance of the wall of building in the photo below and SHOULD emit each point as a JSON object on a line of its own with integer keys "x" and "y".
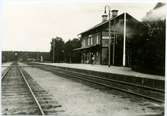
{"x": 104, "y": 55}
{"x": 91, "y": 55}
{"x": 117, "y": 32}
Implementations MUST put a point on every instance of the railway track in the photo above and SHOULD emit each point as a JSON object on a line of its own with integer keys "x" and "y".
{"x": 5, "y": 72}
{"x": 21, "y": 95}
{"x": 152, "y": 94}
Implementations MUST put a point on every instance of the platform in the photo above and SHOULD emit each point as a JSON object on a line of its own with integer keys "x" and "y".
{"x": 104, "y": 68}
{"x": 114, "y": 73}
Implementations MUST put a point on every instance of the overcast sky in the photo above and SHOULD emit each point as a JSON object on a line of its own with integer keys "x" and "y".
{"x": 29, "y": 25}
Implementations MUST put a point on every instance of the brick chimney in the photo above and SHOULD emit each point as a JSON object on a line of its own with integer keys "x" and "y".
{"x": 104, "y": 16}
{"x": 114, "y": 13}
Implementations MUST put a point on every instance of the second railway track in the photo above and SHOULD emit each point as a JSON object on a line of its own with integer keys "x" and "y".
{"x": 22, "y": 96}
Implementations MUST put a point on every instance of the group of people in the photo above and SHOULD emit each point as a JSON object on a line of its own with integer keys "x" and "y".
{"x": 91, "y": 59}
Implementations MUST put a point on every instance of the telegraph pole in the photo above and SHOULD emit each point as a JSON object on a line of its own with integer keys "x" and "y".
{"x": 53, "y": 50}
{"x": 109, "y": 33}
{"x": 113, "y": 51}
{"x": 124, "y": 41}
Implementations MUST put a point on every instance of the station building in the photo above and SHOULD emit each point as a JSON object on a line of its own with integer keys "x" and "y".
{"x": 95, "y": 41}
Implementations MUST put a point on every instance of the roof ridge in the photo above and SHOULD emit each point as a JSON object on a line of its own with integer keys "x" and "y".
{"x": 99, "y": 24}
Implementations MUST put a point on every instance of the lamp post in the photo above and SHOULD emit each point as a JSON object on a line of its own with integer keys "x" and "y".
{"x": 114, "y": 14}
{"x": 109, "y": 32}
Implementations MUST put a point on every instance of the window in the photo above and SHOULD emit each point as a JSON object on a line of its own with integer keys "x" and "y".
{"x": 97, "y": 39}
{"x": 105, "y": 34}
{"x": 91, "y": 41}
{"x": 83, "y": 43}
{"x": 105, "y": 42}
{"x": 97, "y": 53}
{"x": 88, "y": 41}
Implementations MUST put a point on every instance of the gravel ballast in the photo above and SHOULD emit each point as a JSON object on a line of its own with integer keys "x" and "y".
{"x": 78, "y": 99}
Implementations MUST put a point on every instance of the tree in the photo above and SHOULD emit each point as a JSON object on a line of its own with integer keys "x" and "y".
{"x": 63, "y": 52}
{"x": 58, "y": 46}
{"x": 76, "y": 55}
{"x": 149, "y": 48}
{"x": 70, "y": 55}
{"x": 155, "y": 46}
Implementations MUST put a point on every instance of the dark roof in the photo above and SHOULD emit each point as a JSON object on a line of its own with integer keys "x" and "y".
{"x": 86, "y": 47}
{"x": 100, "y": 24}
{"x": 105, "y": 22}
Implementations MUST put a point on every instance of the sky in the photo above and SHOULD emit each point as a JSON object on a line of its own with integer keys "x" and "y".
{"x": 29, "y": 25}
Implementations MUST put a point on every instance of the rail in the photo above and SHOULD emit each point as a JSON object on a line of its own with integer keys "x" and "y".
{"x": 27, "y": 85}
{"x": 95, "y": 79}
{"x": 5, "y": 73}
{"x": 31, "y": 91}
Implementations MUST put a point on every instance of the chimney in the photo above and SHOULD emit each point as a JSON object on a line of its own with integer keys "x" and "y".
{"x": 114, "y": 13}
{"x": 104, "y": 16}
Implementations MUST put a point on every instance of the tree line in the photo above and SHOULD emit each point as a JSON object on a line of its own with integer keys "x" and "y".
{"x": 63, "y": 51}
{"x": 8, "y": 56}
{"x": 149, "y": 48}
